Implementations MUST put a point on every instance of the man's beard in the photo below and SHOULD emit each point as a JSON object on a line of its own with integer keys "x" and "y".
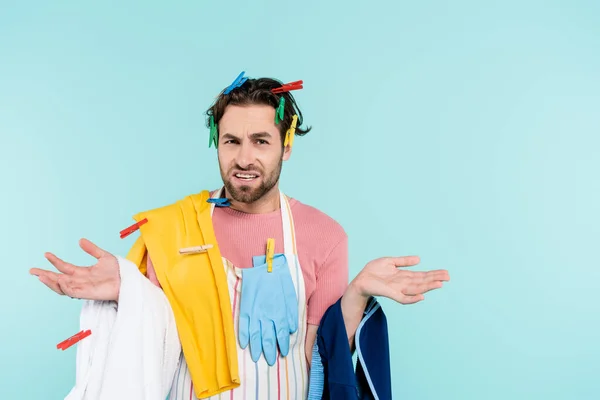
{"x": 248, "y": 194}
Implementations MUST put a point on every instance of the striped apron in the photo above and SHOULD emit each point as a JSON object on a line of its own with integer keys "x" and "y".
{"x": 287, "y": 379}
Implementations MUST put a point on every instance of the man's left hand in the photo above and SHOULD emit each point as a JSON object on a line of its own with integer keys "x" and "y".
{"x": 383, "y": 277}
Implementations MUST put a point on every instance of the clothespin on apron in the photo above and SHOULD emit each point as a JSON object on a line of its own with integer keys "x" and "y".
{"x": 195, "y": 249}
{"x": 129, "y": 230}
{"x": 65, "y": 344}
{"x": 270, "y": 254}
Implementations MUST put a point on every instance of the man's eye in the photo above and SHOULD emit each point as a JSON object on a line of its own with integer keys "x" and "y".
{"x": 260, "y": 141}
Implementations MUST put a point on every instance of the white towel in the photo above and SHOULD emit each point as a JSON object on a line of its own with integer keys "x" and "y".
{"x": 133, "y": 351}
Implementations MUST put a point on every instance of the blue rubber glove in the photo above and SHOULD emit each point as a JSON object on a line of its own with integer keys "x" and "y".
{"x": 268, "y": 309}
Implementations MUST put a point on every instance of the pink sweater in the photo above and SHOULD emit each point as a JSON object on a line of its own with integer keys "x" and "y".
{"x": 322, "y": 248}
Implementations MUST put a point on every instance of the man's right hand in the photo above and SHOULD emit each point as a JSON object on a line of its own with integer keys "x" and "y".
{"x": 101, "y": 281}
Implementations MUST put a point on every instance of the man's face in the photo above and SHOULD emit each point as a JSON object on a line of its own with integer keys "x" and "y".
{"x": 250, "y": 151}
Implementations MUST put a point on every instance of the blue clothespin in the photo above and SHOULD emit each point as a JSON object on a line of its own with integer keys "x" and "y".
{"x": 239, "y": 81}
{"x": 220, "y": 202}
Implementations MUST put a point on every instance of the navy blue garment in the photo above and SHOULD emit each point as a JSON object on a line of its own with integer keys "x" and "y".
{"x": 372, "y": 378}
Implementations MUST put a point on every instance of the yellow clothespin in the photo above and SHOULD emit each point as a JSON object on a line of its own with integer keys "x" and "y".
{"x": 289, "y": 135}
{"x": 195, "y": 249}
{"x": 270, "y": 254}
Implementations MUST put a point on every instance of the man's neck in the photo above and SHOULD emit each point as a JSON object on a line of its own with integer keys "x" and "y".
{"x": 270, "y": 202}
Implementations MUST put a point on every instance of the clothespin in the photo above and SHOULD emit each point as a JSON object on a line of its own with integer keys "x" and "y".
{"x": 220, "y": 202}
{"x": 239, "y": 81}
{"x": 270, "y": 254}
{"x": 129, "y": 230}
{"x": 195, "y": 249}
{"x": 289, "y": 135}
{"x": 279, "y": 113}
{"x": 286, "y": 87}
{"x": 212, "y": 139}
{"x": 65, "y": 344}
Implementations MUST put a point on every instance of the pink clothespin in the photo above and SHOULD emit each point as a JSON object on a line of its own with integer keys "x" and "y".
{"x": 65, "y": 344}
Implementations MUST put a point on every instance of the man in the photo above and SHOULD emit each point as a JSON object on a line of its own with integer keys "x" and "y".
{"x": 254, "y": 137}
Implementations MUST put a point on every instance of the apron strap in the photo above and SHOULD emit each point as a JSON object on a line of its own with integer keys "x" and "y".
{"x": 289, "y": 238}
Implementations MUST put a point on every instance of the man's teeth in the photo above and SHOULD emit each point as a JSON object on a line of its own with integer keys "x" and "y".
{"x": 245, "y": 176}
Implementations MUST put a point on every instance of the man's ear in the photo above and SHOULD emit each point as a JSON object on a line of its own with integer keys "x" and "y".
{"x": 287, "y": 152}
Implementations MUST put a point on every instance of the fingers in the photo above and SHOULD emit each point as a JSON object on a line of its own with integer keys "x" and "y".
{"x": 440, "y": 274}
{"x": 409, "y": 287}
{"x": 414, "y": 289}
{"x": 291, "y": 302}
{"x": 407, "y": 261}
{"x": 50, "y": 279}
{"x": 402, "y": 297}
{"x": 38, "y": 272}
{"x": 244, "y": 330}
{"x": 428, "y": 276}
{"x": 267, "y": 328}
{"x": 255, "y": 339}
{"x": 61, "y": 265}
{"x": 92, "y": 249}
{"x": 283, "y": 340}
{"x": 410, "y": 299}
{"x": 70, "y": 286}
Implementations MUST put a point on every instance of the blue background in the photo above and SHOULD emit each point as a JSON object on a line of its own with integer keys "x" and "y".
{"x": 465, "y": 132}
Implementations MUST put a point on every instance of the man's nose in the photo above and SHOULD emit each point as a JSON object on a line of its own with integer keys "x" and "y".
{"x": 245, "y": 156}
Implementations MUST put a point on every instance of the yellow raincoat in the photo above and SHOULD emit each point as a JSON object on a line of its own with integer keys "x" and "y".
{"x": 196, "y": 287}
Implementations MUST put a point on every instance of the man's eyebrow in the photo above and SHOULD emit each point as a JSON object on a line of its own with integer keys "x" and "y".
{"x": 257, "y": 135}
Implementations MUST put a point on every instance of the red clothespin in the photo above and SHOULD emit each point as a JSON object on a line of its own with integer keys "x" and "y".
{"x": 286, "y": 87}
{"x": 128, "y": 231}
{"x": 73, "y": 339}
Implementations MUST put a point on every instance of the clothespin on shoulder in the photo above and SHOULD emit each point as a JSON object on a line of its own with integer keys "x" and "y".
{"x": 129, "y": 230}
{"x": 65, "y": 344}
{"x": 289, "y": 135}
{"x": 239, "y": 81}
{"x": 286, "y": 87}
{"x": 220, "y": 202}
{"x": 195, "y": 249}
{"x": 280, "y": 112}
{"x": 270, "y": 254}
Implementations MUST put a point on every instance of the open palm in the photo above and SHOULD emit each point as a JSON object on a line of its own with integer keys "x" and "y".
{"x": 101, "y": 281}
{"x": 382, "y": 277}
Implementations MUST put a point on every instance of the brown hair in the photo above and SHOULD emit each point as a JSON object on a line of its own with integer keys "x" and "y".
{"x": 258, "y": 92}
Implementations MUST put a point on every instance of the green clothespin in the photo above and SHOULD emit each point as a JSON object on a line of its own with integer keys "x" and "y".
{"x": 213, "y": 133}
{"x": 279, "y": 113}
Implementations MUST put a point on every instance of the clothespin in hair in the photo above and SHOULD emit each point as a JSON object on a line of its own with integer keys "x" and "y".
{"x": 286, "y": 87}
{"x": 270, "y": 254}
{"x": 279, "y": 113}
{"x": 239, "y": 81}
{"x": 212, "y": 139}
{"x": 195, "y": 249}
{"x": 129, "y": 230}
{"x": 289, "y": 135}
{"x": 65, "y": 344}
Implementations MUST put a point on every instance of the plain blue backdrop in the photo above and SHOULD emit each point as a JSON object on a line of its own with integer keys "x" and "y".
{"x": 465, "y": 132}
